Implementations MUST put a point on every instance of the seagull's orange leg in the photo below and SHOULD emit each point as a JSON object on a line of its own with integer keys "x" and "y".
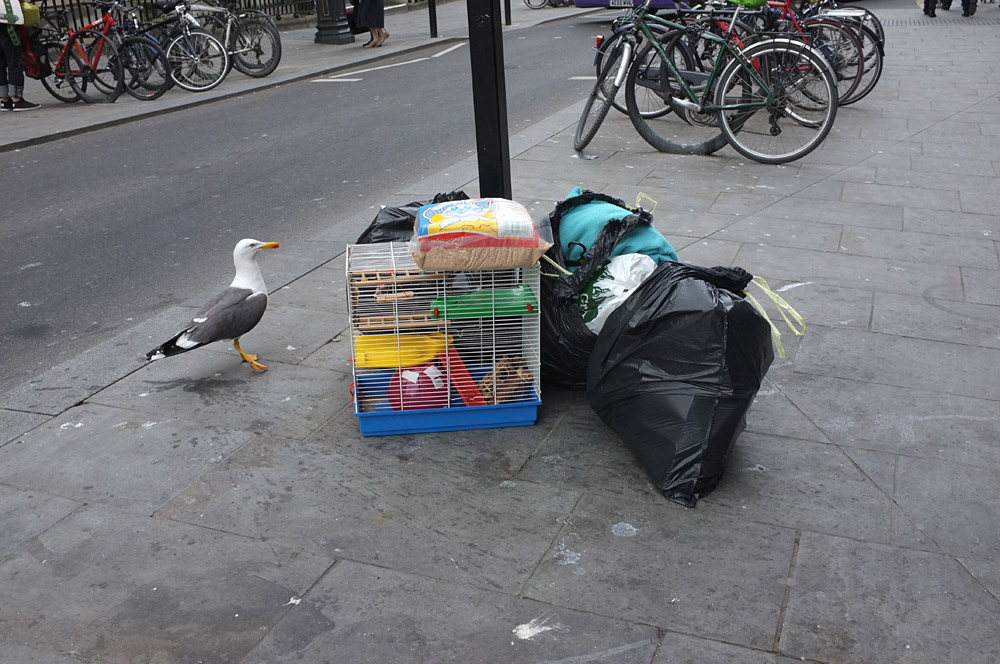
{"x": 250, "y": 359}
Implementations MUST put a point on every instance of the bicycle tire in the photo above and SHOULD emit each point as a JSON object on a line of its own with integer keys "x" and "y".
{"x": 215, "y": 25}
{"x": 602, "y": 95}
{"x": 842, "y": 48}
{"x": 673, "y": 134}
{"x": 93, "y": 68}
{"x": 873, "y": 64}
{"x": 255, "y": 46}
{"x": 146, "y": 68}
{"x": 536, "y": 4}
{"x": 650, "y": 110}
{"x": 797, "y": 109}
{"x": 56, "y": 83}
{"x": 198, "y": 61}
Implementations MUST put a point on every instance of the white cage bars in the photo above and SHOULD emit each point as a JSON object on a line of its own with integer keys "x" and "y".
{"x": 437, "y": 351}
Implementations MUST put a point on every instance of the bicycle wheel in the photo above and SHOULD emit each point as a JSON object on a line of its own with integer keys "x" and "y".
{"x": 255, "y": 46}
{"x": 536, "y": 4}
{"x": 650, "y": 84}
{"x": 790, "y": 114}
{"x": 198, "y": 61}
{"x": 841, "y": 47}
{"x": 873, "y": 64}
{"x": 603, "y": 93}
{"x": 147, "y": 72}
{"x": 93, "y": 68}
{"x": 56, "y": 83}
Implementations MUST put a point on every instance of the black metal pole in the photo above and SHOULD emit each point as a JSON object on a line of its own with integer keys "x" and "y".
{"x": 331, "y": 23}
{"x": 489, "y": 94}
{"x": 506, "y": 12}
{"x": 432, "y": 14}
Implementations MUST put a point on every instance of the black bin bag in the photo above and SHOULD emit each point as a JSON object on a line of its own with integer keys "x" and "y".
{"x": 565, "y": 338}
{"x": 674, "y": 371}
{"x": 395, "y": 224}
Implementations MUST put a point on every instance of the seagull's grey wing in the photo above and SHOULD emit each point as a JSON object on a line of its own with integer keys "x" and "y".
{"x": 235, "y": 312}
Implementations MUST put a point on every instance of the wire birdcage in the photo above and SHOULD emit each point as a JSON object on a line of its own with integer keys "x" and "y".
{"x": 441, "y": 350}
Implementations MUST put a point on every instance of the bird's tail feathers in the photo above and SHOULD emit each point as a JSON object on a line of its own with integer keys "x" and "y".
{"x": 167, "y": 349}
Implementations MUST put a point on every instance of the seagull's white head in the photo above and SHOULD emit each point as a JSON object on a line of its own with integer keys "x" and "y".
{"x": 247, "y": 271}
{"x": 248, "y": 248}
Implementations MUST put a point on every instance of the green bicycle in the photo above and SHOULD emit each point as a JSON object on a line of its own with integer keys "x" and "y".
{"x": 773, "y": 100}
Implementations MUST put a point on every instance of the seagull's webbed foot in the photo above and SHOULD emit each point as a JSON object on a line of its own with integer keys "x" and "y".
{"x": 249, "y": 359}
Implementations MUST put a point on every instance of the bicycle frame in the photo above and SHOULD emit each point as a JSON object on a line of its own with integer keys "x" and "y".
{"x": 726, "y": 47}
{"x": 106, "y": 23}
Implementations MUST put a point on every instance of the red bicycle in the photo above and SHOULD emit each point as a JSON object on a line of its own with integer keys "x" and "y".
{"x": 89, "y": 62}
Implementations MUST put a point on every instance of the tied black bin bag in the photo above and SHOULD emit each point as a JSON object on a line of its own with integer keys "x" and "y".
{"x": 395, "y": 224}
{"x": 674, "y": 372}
{"x": 565, "y": 338}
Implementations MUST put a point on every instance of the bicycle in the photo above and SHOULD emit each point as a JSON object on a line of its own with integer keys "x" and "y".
{"x": 251, "y": 38}
{"x": 614, "y": 57}
{"x": 773, "y": 100}
{"x": 52, "y": 32}
{"x": 197, "y": 59}
{"x": 88, "y": 61}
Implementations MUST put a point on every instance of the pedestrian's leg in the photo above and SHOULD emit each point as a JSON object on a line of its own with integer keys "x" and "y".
{"x": 6, "y": 87}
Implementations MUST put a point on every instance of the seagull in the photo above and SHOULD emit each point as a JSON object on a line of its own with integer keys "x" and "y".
{"x": 233, "y": 313}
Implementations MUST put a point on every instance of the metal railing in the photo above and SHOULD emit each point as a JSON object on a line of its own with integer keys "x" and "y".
{"x": 82, "y": 14}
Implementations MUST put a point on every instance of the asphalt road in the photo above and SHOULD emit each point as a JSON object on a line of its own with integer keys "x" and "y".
{"x": 105, "y": 229}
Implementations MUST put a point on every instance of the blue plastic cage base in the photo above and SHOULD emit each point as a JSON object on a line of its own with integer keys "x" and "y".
{"x": 430, "y": 420}
{"x": 378, "y": 419}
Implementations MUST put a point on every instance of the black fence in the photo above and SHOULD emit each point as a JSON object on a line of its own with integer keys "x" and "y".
{"x": 79, "y": 13}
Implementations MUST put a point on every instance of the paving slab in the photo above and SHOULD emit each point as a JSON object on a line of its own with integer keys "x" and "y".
{"x": 25, "y": 514}
{"x": 908, "y": 421}
{"x": 878, "y": 358}
{"x": 689, "y": 649}
{"x": 383, "y": 509}
{"x": 931, "y": 491}
{"x": 920, "y": 247}
{"x": 959, "y": 224}
{"x": 802, "y": 485}
{"x": 118, "y": 588}
{"x": 854, "y": 603}
{"x": 763, "y": 228}
{"x": 847, "y": 271}
{"x": 691, "y": 571}
{"x": 218, "y": 389}
{"x": 13, "y": 423}
{"x": 982, "y": 286}
{"x": 402, "y": 617}
{"x": 134, "y": 461}
{"x": 940, "y": 320}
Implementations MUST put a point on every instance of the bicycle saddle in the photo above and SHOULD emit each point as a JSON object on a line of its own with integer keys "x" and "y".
{"x": 167, "y": 5}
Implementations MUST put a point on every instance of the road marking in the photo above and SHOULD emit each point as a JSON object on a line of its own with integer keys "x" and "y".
{"x": 448, "y": 50}
{"x": 365, "y": 71}
{"x": 583, "y": 78}
{"x": 336, "y": 80}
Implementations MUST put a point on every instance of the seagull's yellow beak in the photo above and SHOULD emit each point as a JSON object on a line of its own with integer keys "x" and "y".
{"x": 270, "y": 245}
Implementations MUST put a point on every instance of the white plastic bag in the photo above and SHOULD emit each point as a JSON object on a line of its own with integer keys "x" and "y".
{"x": 611, "y": 286}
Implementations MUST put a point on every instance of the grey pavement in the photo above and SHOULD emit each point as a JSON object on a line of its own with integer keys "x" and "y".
{"x": 189, "y": 510}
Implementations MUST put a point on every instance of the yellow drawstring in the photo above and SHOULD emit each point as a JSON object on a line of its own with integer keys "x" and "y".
{"x": 638, "y": 200}
{"x": 556, "y": 265}
{"x": 783, "y": 307}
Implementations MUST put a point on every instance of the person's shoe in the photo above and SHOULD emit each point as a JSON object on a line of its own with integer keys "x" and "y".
{"x": 6, "y": 105}
{"x": 23, "y": 105}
